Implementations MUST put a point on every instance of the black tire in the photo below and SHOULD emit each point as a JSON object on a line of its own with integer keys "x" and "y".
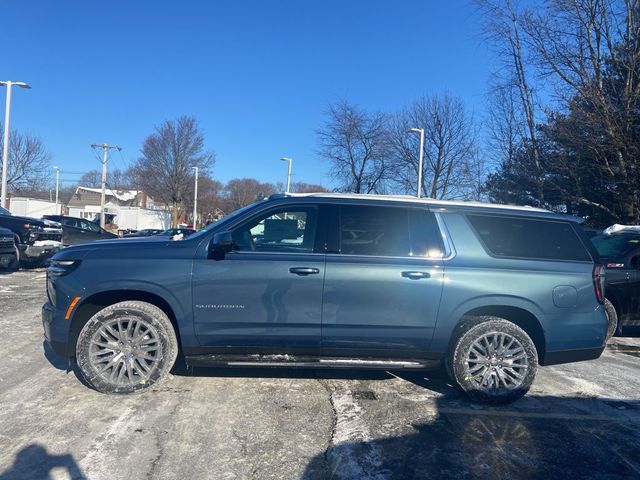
{"x": 501, "y": 376}
{"x": 126, "y": 347}
{"x": 612, "y": 319}
{"x": 15, "y": 263}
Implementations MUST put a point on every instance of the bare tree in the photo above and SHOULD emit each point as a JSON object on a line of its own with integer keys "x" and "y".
{"x": 29, "y": 166}
{"x": 503, "y": 28}
{"x": 116, "y": 179}
{"x": 355, "y": 142}
{"x": 450, "y": 160}
{"x": 301, "y": 187}
{"x": 240, "y": 192}
{"x": 590, "y": 51}
{"x": 165, "y": 168}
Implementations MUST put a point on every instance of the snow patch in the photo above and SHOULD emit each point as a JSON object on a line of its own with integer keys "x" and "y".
{"x": 47, "y": 243}
{"x": 352, "y": 453}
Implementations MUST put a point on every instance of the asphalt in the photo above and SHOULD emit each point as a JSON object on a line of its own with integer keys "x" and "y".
{"x": 579, "y": 420}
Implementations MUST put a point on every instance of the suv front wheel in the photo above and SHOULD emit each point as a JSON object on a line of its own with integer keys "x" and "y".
{"x": 494, "y": 361}
{"x": 126, "y": 347}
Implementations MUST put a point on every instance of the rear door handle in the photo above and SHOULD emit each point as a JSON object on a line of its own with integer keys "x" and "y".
{"x": 304, "y": 270}
{"x": 416, "y": 275}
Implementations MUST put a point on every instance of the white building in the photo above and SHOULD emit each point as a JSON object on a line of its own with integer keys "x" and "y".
{"x": 31, "y": 207}
{"x": 126, "y": 209}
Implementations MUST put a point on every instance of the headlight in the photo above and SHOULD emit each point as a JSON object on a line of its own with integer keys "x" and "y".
{"x": 58, "y": 268}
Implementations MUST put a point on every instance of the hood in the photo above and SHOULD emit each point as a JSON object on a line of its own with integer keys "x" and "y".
{"x": 6, "y": 232}
{"x": 80, "y": 250}
{"x": 29, "y": 220}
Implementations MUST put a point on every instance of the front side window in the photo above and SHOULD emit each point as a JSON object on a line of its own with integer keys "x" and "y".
{"x": 529, "y": 238}
{"x": 291, "y": 230}
{"x": 90, "y": 226}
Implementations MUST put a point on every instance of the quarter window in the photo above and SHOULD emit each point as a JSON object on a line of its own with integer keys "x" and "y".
{"x": 529, "y": 238}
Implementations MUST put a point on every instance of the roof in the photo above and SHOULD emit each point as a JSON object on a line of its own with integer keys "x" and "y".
{"x": 122, "y": 195}
{"x": 411, "y": 199}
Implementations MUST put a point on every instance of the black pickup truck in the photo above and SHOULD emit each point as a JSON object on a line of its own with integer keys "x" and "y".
{"x": 35, "y": 240}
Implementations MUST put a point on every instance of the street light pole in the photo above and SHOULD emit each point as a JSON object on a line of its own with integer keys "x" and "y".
{"x": 290, "y": 160}
{"x": 105, "y": 155}
{"x": 5, "y": 144}
{"x": 421, "y": 132}
{"x": 195, "y": 200}
{"x": 57, "y": 169}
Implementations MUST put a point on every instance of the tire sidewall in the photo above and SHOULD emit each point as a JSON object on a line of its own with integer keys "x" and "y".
{"x": 460, "y": 355}
{"x": 156, "y": 318}
{"x": 613, "y": 326}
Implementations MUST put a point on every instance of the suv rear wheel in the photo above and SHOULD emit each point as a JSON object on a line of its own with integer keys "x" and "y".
{"x": 494, "y": 361}
{"x": 126, "y": 347}
{"x": 612, "y": 318}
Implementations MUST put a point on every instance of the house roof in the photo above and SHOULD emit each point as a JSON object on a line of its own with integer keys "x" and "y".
{"x": 122, "y": 195}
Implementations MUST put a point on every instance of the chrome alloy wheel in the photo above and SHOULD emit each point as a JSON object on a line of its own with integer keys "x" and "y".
{"x": 496, "y": 361}
{"x": 125, "y": 351}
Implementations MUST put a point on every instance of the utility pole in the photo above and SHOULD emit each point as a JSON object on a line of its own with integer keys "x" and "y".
{"x": 285, "y": 159}
{"x": 57, "y": 169}
{"x": 195, "y": 201}
{"x": 5, "y": 145}
{"x": 105, "y": 148}
{"x": 421, "y": 156}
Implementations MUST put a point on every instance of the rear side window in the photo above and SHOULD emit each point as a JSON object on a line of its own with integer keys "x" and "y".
{"x": 388, "y": 231}
{"x": 529, "y": 238}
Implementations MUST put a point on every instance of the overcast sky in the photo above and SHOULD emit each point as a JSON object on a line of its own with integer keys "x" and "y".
{"x": 257, "y": 74}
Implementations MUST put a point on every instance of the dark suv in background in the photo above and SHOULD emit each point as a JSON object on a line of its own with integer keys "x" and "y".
{"x": 327, "y": 280}
{"x": 35, "y": 240}
{"x": 620, "y": 253}
{"x": 79, "y": 230}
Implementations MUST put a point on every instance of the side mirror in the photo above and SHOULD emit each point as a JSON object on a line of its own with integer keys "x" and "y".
{"x": 222, "y": 243}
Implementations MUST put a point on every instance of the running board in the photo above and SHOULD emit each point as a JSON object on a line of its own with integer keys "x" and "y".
{"x": 295, "y": 361}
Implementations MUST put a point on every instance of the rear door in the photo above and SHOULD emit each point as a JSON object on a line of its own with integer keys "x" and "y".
{"x": 383, "y": 281}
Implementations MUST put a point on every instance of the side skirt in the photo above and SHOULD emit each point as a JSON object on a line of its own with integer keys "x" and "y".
{"x": 295, "y": 361}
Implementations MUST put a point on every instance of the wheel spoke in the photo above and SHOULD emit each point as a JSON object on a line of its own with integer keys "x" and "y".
{"x": 497, "y": 361}
{"x": 125, "y": 351}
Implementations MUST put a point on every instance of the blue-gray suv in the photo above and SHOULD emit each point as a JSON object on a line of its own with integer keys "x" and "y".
{"x": 328, "y": 280}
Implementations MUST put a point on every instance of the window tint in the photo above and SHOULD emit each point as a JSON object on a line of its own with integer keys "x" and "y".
{"x": 291, "y": 230}
{"x": 519, "y": 237}
{"x": 616, "y": 245}
{"x": 382, "y": 231}
{"x": 92, "y": 227}
{"x": 426, "y": 239}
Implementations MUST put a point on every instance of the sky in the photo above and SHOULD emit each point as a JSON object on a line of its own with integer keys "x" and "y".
{"x": 258, "y": 75}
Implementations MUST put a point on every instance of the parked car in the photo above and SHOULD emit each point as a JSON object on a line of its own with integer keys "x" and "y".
{"x": 171, "y": 232}
{"x": 619, "y": 250}
{"x": 8, "y": 249}
{"x": 327, "y": 280}
{"x": 79, "y": 230}
{"x": 35, "y": 240}
{"x": 147, "y": 232}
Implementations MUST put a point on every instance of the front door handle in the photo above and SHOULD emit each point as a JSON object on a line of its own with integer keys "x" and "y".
{"x": 416, "y": 275}
{"x": 304, "y": 270}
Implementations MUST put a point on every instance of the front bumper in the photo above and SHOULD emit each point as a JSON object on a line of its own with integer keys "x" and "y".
{"x": 38, "y": 252}
{"x": 59, "y": 346}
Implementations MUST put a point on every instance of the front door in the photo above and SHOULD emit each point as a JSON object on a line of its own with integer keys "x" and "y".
{"x": 265, "y": 296}
{"x": 383, "y": 282}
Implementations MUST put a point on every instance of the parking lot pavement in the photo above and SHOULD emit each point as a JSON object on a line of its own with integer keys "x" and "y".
{"x": 579, "y": 420}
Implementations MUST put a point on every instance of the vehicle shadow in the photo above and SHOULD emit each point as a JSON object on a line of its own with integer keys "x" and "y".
{"x": 536, "y": 437}
{"x": 34, "y": 462}
{"x": 629, "y": 331}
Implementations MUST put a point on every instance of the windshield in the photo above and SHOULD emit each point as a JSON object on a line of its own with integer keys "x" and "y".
{"x": 229, "y": 218}
{"x": 614, "y": 246}
{"x": 4, "y": 211}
